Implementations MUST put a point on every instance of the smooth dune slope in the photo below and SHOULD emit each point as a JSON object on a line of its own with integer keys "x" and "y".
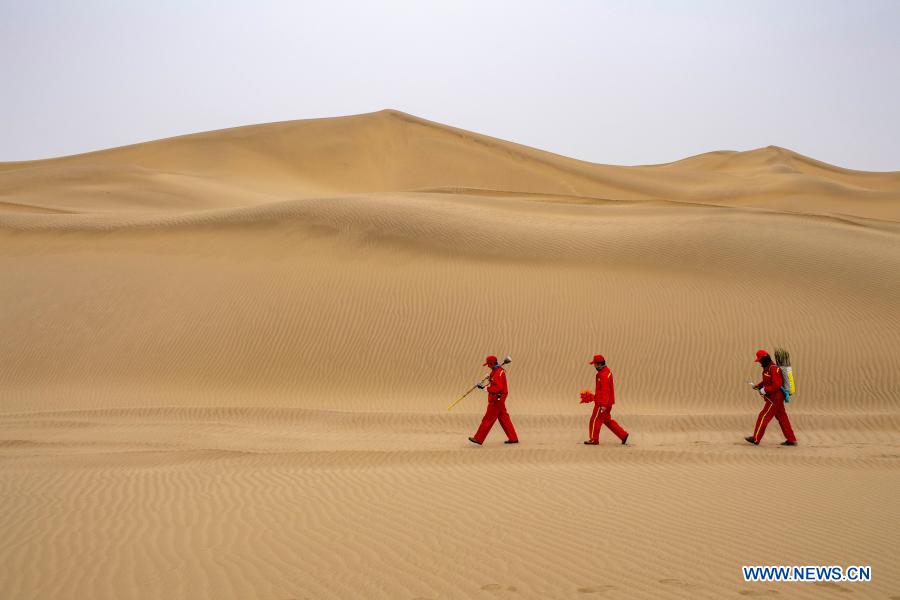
{"x": 227, "y": 359}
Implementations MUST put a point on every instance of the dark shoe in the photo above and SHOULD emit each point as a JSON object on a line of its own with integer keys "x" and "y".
{"x": 591, "y": 443}
{"x": 751, "y": 439}
{"x": 474, "y": 441}
{"x": 787, "y": 443}
{"x": 625, "y": 439}
{"x": 511, "y": 442}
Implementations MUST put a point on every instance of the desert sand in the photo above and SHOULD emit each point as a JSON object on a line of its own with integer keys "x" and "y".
{"x": 227, "y": 359}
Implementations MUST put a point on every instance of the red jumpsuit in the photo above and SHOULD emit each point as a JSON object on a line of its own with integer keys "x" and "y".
{"x": 604, "y": 398}
{"x": 496, "y": 409}
{"x": 772, "y": 380}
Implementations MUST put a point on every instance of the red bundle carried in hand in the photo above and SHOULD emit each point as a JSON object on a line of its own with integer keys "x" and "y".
{"x": 587, "y": 396}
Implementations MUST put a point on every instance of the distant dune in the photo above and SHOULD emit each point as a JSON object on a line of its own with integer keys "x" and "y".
{"x": 227, "y": 358}
{"x": 390, "y": 151}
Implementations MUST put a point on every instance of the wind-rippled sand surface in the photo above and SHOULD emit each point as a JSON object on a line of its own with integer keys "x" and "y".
{"x": 227, "y": 359}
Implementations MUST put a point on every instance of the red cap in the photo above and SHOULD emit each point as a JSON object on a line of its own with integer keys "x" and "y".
{"x": 598, "y": 358}
{"x": 760, "y": 354}
{"x": 490, "y": 359}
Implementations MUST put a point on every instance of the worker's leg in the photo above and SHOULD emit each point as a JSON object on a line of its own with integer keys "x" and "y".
{"x": 490, "y": 416}
{"x": 765, "y": 415}
{"x": 506, "y": 423}
{"x": 614, "y": 426}
{"x": 785, "y": 422}
{"x": 594, "y": 424}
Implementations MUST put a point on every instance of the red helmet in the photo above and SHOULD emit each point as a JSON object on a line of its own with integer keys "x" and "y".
{"x": 490, "y": 359}
{"x": 760, "y": 354}
{"x": 598, "y": 358}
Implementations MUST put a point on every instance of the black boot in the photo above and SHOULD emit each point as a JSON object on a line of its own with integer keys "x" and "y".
{"x": 752, "y": 440}
{"x": 474, "y": 441}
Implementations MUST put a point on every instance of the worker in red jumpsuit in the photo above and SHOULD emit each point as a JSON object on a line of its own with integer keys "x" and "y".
{"x": 771, "y": 384}
{"x": 604, "y": 398}
{"x": 496, "y": 409}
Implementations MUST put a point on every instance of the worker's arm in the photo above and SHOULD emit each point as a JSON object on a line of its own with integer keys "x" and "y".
{"x": 498, "y": 384}
{"x": 611, "y": 386}
{"x": 601, "y": 397}
{"x": 494, "y": 385}
{"x": 777, "y": 378}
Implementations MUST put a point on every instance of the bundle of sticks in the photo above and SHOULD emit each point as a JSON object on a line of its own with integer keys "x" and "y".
{"x": 783, "y": 360}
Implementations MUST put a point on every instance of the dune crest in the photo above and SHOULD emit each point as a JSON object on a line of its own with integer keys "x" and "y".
{"x": 390, "y": 151}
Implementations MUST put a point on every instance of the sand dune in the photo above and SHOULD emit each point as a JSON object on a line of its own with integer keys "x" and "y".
{"x": 227, "y": 358}
{"x": 391, "y": 151}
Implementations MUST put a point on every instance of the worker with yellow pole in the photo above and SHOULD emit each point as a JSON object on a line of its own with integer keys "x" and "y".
{"x": 497, "y": 390}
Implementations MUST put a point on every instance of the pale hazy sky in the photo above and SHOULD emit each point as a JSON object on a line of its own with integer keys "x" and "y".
{"x": 623, "y": 82}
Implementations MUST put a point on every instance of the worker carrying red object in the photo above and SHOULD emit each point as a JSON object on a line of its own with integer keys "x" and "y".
{"x": 603, "y": 398}
{"x": 497, "y": 390}
{"x": 771, "y": 386}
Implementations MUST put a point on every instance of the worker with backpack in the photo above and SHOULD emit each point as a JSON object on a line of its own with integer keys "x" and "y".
{"x": 773, "y": 390}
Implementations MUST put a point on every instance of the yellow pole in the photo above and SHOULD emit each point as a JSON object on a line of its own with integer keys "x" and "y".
{"x": 458, "y": 400}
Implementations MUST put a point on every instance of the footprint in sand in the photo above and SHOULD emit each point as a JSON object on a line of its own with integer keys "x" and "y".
{"x": 833, "y": 586}
{"x": 758, "y": 592}
{"x": 678, "y": 583}
{"x": 496, "y": 587}
{"x": 596, "y": 589}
